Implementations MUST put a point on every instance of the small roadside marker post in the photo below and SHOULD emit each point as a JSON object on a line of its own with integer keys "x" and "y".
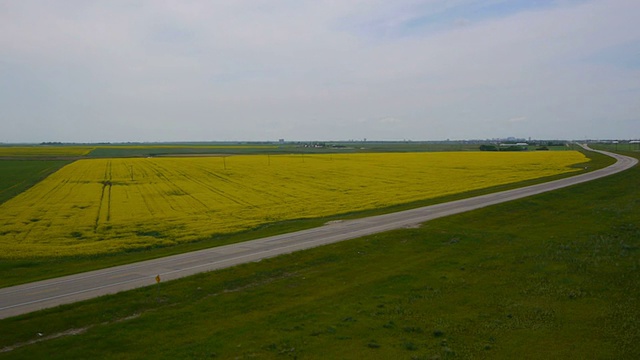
{"x": 158, "y": 287}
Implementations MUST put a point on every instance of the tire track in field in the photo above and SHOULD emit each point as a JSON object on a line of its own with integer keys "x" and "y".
{"x": 182, "y": 191}
{"x": 58, "y": 185}
{"x": 146, "y": 204}
{"x": 13, "y": 186}
{"x": 105, "y": 183}
{"x": 152, "y": 169}
{"x": 227, "y": 180}
{"x": 217, "y": 191}
{"x": 265, "y": 189}
{"x": 109, "y": 192}
{"x": 144, "y": 171}
{"x": 42, "y": 213}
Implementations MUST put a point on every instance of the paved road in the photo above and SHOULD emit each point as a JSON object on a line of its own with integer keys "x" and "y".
{"x": 25, "y": 298}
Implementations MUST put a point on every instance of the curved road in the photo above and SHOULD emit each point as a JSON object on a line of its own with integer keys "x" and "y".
{"x": 25, "y": 298}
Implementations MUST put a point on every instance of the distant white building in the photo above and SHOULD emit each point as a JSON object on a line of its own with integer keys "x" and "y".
{"x": 516, "y": 144}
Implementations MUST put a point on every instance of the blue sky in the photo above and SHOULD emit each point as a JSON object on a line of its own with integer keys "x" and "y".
{"x": 90, "y": 71}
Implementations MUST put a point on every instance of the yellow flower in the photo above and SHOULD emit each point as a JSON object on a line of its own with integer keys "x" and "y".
{"x": 98, "y": 206}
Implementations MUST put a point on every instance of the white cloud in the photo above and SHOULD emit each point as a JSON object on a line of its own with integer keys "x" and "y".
{"x": 222, "y": 70}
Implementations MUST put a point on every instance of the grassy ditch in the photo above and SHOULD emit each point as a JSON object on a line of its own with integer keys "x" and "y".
{"x": 550, "y": 276}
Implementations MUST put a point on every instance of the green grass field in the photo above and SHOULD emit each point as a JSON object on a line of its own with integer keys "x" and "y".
{"x": 19, "y": 175}
{"x": 618, "y": 147}
{"x": 552, "y": 276}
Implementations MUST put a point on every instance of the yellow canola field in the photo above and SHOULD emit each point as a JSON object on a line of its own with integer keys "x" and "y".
{"x": 110, "y": 205}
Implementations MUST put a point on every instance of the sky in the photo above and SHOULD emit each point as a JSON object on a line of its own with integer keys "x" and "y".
{"x": 255, "y": 70}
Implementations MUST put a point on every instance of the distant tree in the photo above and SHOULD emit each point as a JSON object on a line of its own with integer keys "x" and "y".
{"x": 51, "y": 143}
{"x": 485, "y": 147}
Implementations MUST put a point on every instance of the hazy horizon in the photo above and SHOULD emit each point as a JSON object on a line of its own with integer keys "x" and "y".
{"x": 90, "y": 72}
{"x": 316, "y": 141}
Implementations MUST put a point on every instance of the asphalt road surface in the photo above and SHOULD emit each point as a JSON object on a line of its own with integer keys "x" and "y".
{"x": 30, "y": 297}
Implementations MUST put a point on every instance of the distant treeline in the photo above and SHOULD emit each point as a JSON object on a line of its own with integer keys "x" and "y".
{"x": 510, "y": 148}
